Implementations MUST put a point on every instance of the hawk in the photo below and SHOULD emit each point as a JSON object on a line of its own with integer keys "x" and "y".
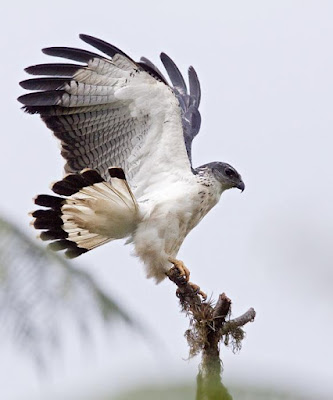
{"x": 126, "y": 135}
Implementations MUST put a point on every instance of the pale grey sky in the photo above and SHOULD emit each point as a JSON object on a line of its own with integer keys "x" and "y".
{"x": 266, "y": 70}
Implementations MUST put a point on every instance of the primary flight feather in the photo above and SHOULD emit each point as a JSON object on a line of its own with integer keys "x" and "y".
{"x": 126, "y": 136}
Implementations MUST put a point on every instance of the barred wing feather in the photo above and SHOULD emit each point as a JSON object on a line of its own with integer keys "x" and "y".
{"x": 111, "y": 111}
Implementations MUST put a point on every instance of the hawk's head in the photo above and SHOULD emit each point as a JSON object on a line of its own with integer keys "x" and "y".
{"x": 226, "y": 175}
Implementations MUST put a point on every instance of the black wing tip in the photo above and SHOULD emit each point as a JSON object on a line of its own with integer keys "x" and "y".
{"x": 56, "y": 83}
{"x": 36, "y": 69}
{"x": 22, "y": 98}
{"x": 191, "y": 70}
{"x": 164, "y": 55}
{"x": 23, "y": 85}
{"x": 195, "y": 88}
{"x": 46, "y": 50}
{"x": 27, "y": 99}
{"x": 93, "y": 40}
{"x": 54, "y": 69}
{"x": 30, "y": 68}
{"x": 42, "y": 98}
{"x": 72, "y": 53}
{"x": 104, "y": 47}
{"x": 84, "y": 37}
{"x": 174, "y": 73}
{"x": 53, "y": 50}
{"x": 28, "y": 83}
{"x": 165, "y": 58}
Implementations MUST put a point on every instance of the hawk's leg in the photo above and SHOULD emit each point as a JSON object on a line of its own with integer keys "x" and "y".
{"x": 180, "y": 266}
{"x": 185, "y": 273}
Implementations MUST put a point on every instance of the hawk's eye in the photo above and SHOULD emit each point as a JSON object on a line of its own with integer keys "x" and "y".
{"x": 229, "y": 172}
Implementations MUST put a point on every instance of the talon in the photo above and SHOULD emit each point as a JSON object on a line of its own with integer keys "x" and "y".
{"x": 203, "y": 295}
{"x": 183, "y": 270}
{"x": 197, "y": 289}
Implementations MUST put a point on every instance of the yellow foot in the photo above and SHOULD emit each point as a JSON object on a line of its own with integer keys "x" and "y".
{"x": 179, "y": 265}
{"x": 197, "y": 289}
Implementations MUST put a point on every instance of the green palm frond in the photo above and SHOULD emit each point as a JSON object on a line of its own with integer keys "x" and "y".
{"x": 40, "y": 290}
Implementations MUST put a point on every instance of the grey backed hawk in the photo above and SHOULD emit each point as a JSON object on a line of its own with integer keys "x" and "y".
{"x": 126, "y": 135}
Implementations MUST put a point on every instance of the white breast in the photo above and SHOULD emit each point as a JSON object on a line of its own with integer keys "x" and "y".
{"x": 168, "y": 216}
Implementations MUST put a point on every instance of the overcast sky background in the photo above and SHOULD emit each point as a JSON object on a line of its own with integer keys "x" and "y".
{"x": 266, "y": 70}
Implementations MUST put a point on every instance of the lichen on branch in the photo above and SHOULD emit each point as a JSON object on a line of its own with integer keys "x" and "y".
{"x": 210, "y": 325}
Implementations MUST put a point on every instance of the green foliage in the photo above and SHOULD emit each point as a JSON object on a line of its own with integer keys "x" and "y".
{"x": 39, "y": 290}
{"x": 158, "y": 392}
{"x": 187, "y": 392}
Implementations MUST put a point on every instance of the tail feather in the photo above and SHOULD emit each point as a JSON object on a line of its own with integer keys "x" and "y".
{"x": 91, "y": 213}
{"x": 53, "y": 234}
{"x": 46, "y": 200}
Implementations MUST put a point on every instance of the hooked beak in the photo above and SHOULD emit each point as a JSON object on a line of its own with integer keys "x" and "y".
{"x": 241, "y": 186}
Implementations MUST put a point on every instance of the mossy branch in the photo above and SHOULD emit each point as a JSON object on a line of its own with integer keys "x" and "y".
{"x": 210, "y": 324}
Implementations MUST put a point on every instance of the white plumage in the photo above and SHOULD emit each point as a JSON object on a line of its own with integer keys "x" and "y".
{"x": 167, "y": 217}
{"x": 126, "y": 136}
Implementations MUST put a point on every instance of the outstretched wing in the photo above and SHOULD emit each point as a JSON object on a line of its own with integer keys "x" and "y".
{"x": 111, "y": 111}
